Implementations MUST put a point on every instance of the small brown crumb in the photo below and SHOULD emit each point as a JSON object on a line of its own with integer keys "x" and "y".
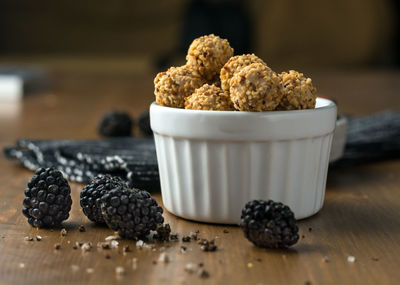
{"x": 38, "y": 238}
{"x": 63, "y": 232}
{"x": 203, "y": 273}
{"x": 75, "y": 246}
{"x": 226, "y": 231}
{"x": 325, "y": 259}
{"x": 183, "y": 249}
{"x": 107, "y": 256}
{"x": 57, "y": 246}
{"x": 81, "y": 228}
{"x": 201, "y": 264}
{"x": 186, "y": 238}
{"x": 193, "y": 236}
{"x": 310, "y": 229}
{"x": 104, "y": 245}
{"x": 207, "y": 245}
{"x": 375, "y": 258}
{"x": 303, "y": 236}
{"x": 163, "y": 258}
{"x": 173, "y": 237}
{"x": 126, "y": 248}
{"x": 154, "y": 262}
{"x": 119, "y": 270}
{"x": 259, "y": 259}
{"x": 189, "y": 267}
{"x": 307, "y": 283}
{"x": 28, "y": 238}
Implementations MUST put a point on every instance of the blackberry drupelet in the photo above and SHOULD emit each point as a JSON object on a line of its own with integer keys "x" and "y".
{"x": 116, "y": 124}
{"x": 90, "y": 197}
{"x": 144, "y": 124}
{"x": 131, "y": 212}
{"x": 47, "y": 199}
{"x": 269, "y": 224}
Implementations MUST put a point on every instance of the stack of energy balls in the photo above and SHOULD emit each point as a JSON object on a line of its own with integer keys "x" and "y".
{"x": 214, "y": 79}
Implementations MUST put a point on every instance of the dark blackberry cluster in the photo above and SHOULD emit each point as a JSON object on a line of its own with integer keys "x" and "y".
{"x": 269, "y": 224}
{"x": 131, "y": 212}
{"x": 116, "y": 124}
{"x": 144, "y": 124}
{"x": 48, "y": 199}
{"x": 91, "y": 195}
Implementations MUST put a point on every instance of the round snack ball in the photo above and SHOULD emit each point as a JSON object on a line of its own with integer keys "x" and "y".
{"x": 208, "y": 54}
{"x": 171, "y": 87}
{"x": 298, "y": 91}
{"x": 235, "y": 64}
{"x": 209, "y": 97}
{"x": 47, "y": 199}
{"x": 255, "y": 88}
{"x": 116, "y": 124}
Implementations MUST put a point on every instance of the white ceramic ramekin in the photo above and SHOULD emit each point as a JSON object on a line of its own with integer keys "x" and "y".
{"x": 212, "y": 163}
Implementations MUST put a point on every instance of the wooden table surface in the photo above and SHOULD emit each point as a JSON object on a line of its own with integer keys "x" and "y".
{"x": 360, "y": 218}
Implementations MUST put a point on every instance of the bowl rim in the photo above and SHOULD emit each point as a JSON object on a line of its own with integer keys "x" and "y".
{"x": 327, "y": 104}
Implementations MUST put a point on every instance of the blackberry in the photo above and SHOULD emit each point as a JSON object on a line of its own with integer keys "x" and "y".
{"x": 144, "y": 124}
{"x": 131, "y": 212}
{"x": 269, "y": 224}
{"x": 90, "y": 197}
{"x": 116, "y": 124}
{"x": 47, "y": 199}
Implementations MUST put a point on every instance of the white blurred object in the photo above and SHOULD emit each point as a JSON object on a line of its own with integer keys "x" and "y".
{"x": 11, "y": 88}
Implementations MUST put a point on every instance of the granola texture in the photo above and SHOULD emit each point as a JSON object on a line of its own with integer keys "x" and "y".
{"x": 234, "y": 65}
{"x": 172, "y": 86}
{"x": 208, "y": 54}
{"x": 255, "y": 88}
{"x": 298, "y": 91}
{"x": 209, "y": 97}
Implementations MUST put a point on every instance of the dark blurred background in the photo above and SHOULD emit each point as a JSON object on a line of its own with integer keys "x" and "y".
{"x": 155, "y": 34}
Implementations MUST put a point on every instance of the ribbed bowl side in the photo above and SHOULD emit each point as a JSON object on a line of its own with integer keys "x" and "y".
{"x": 211, "y": 181}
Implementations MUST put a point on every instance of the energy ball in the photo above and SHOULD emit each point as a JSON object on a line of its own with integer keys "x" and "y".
{"x": 234, "y": 65}
{"x": 209, "y": 97}
{"x": 298, "y": 91}
{"x": 172, "y": 86}
{"x": 208, "y": 54}
{"x": 255, "y": 88}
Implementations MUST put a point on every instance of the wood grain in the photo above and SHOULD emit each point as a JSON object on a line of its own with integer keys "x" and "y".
{"x": 360, "y": 216}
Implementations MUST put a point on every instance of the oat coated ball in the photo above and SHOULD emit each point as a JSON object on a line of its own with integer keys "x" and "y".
{"x": 172, "y": 86}
{"x": 255, "y": 88}
{"x": 235, "y": 64}
{"x": 208, "y": 54}
{"x": 298, "y": 91}
{"x": 209, "y": 97}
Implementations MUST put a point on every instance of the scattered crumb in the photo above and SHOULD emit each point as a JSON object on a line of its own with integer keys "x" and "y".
{"x": 163, "y": 258}
{"x": 119, "y": 270}
{"x": 110, "y": 238}
{"x": 38, "y": 238}
{"x": 259, "y": 259}
{"x": 114, "y": 244}
{"x": 189, "y": 267}
{"x": 303, "y": 236}
{"x": 28, "y": 238}
{"x": 186, "y": 238}
{"x": 375, "y": 258}
{"x": 351, "y": 259}
{"x": 154, "y": 261}
{"x": 226, "y": 231}
{"x": 325, "y": 259}
{"x": 126, "y": 249}
{"x": 75, "y": 246}
{"x": 201, "y": 264}
{"x": 81, "y": 228}
{"x": 87, "y": 246}
{"x": 22, "y": 265}
{"x": 249, "y": 265}
{"x": 193, "y": 236}
{"x": 103, "y": 245}
{"x": 174, "y": 237}
{"x": 63, "y": 232}
{"x": 107, "y": 256}
{"x": 307, "y": 283}
{"x": 57, "y": 246}
{"x": 139, "y": 243}
{"x": 183, "y": 249}
{"x": 89, "y": 270}
{"x": 203, "y": 273}
{"x": 310, "y": 229}
{"x": 207, "y": 245}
